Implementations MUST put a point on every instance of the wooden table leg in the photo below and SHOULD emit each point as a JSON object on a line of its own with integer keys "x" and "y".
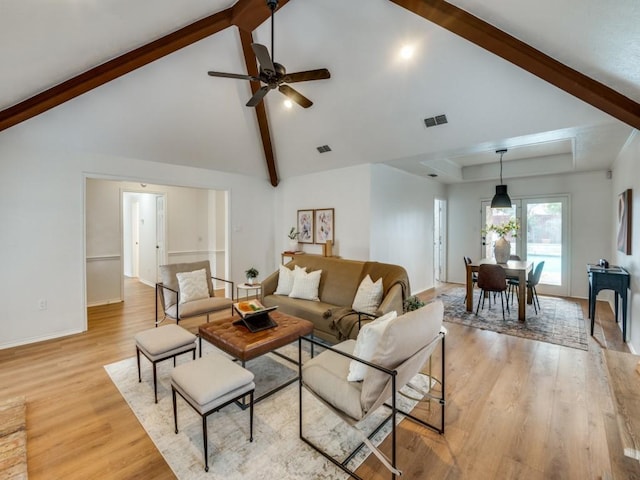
{"x": 522, "y": 292}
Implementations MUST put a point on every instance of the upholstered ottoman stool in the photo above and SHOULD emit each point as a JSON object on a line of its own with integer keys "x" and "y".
{"x": 209, "y": 384}
{"x": 162, "y": 343}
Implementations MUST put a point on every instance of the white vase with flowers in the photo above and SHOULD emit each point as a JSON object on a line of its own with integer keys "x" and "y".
{"x": 502, "y": 246}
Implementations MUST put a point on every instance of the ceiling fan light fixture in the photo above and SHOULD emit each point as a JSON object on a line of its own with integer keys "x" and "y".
{"x": 501, "y": 198}
{"x": 288, "y": 104}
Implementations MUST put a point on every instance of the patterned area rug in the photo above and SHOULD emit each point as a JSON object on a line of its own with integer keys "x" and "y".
{"x": 276, "y": 451}
{"x": 558, "y": 321}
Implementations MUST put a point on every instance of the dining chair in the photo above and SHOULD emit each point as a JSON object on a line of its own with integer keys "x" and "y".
{"x": 474, "y": 275}
{"x": 491, "y": 278}
{"x": 532, "y": 282}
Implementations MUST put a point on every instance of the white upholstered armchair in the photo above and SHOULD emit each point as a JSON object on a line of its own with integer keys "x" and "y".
{"x": 401, "y": 348}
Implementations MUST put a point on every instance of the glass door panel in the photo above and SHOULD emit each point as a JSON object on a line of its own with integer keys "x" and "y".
{"x": 546, "y": 241}
{"x": 543, "y": 236}
{"x": 498, "y": 216}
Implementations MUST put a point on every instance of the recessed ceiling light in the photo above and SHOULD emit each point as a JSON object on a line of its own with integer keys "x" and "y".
{"x": 406, "y": 52}
{"x": 288, "y": 103}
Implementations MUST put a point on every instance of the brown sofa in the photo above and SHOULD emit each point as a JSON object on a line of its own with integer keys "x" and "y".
{"x": 332, "y": 316}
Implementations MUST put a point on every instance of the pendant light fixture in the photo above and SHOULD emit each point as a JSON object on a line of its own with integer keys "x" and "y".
{"x": 501, "y": 198}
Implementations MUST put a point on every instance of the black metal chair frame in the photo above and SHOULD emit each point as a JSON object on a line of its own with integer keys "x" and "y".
{"x": 393, "y": 407}
{"x": 206, "y": 414}
{"x": 155, "y": 377}
{"x": 161, "y": 287}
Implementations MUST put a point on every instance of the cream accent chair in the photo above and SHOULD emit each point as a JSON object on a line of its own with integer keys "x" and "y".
{"x": 402, "y": 352}
{"x": 168, "y": 294}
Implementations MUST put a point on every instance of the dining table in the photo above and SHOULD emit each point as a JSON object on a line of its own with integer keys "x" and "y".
{"x": 519, "y": 269}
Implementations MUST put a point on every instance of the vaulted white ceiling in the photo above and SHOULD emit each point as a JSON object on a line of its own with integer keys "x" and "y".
{"x": 370, "y": 110}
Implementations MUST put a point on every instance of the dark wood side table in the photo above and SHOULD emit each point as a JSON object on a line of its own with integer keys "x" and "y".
{"x": 612, "y": 278}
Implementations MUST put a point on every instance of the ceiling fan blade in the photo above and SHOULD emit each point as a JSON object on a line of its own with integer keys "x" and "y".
{"x": 258, "y": 96}
{"x": 262, "y": 54}
{"x": 320, "y": 74}
{"x": 295, "y": 96}
{"x": 233, "y": 75}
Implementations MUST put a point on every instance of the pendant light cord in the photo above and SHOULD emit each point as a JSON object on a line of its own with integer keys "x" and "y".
{"x": 501, "y": 154}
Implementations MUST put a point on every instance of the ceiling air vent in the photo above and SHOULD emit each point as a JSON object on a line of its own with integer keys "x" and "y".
{"x": 437, "y": 120}
{"x": 324, "y": 148}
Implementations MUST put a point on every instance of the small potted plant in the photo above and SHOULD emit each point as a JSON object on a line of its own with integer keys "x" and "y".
{"x": 293, "y": 239}
{"x": 251, "y": 275}
{"x": 413, "y": 303}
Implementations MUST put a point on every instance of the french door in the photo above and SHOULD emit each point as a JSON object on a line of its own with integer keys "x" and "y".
{"x": 543, "y": 237}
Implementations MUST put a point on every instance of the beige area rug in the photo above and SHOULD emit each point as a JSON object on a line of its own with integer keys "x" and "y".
{"x": 13, "y": 439}
{"x": 276, "y": 452}
{"x": 559, "y": 320}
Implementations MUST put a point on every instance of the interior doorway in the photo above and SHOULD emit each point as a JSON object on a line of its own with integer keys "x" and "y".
{"x": 439, "y": 240}
{"x": 143, "y": 235}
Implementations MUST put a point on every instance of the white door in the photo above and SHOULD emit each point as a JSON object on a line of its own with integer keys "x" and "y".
{"x": 135, "y": 239}
{"x": 439, "y": 229}
{"x": 160, "y": 235}
{"x": 543, "y": 237}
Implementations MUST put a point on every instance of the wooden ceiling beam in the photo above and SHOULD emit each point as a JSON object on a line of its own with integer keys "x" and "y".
{"x": 246, "y": 39}
{"x": 248, "y": 15}
{"x": 496, "y": 41}
{"x": 114, "y": 68}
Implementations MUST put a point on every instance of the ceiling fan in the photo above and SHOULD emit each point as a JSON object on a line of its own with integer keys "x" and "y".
{"x": 274, "y": 75}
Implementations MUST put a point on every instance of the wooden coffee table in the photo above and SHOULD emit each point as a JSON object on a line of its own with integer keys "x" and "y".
{"x": 243, "y": 345}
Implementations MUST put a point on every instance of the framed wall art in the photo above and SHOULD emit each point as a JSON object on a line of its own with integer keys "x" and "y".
{"x": 324, "y": 225}
{"x": 305, "y": 226}
{"x": 624, "y": 222}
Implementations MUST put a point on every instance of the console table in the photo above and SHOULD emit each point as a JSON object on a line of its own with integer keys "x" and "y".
{"x": 612, "y": 278}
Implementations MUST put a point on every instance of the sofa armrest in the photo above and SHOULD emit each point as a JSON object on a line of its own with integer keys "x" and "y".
{"x": 269, "y": 284}
{"x": 392, "y": 301}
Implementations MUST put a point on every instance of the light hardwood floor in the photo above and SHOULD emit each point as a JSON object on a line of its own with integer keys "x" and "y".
{"x": 516, "y": 408}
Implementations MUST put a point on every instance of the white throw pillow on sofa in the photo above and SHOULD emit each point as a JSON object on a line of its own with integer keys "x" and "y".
{"x": 192, "y": 285}
{"x": 305, "y": 285}
{"x": 285, "y": 279}
{"x": 368, "y": 296}
{"x": 366, "y": 344}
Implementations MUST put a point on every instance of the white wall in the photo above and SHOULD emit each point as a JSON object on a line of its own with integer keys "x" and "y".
{"x": 103, "y": 243}
{"x": 381, "y": 214}
{"x": 402, "y": 222}
{"x": 590, "y": 220}
{"x": 43, "y": 236}
{"x": 346, "y": 190}
{"x": 626, "y": 174}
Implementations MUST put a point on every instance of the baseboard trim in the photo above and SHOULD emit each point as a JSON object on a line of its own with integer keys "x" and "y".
{"x": 26, "y": 341}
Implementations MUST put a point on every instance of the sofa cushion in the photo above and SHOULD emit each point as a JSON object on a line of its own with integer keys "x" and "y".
{"x": 366, "y": 344}
{"x": 200, "y": 307}
{"x": 285, "y": 279}
{"x": 326, "y": 375}
{"x": 192, "y": 285}
{"x": 402, "y": 338}
{"x": 305, "y": 285}
{"x": 368, "y": 296}
{"x": 340, "y": 277}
